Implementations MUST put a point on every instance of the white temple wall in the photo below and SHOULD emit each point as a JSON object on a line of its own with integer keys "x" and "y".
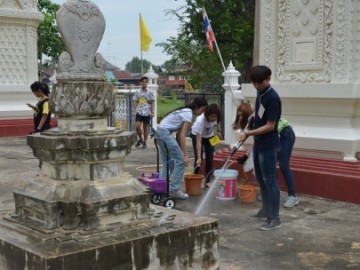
{"x": 18, "y": 56}
{"x": 313, "y": 49}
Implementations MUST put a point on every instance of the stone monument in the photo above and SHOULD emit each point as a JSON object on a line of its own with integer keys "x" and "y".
{"x": 84, "y": 211}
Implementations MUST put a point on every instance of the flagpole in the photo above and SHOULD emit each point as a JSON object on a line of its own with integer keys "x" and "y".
{"x": 141, "y": 53}
{"x": 219, "y": 54}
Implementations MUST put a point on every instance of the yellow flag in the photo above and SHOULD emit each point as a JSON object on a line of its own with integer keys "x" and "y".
{"x": 145, "y": 38}
{"x": 188, "y": 87}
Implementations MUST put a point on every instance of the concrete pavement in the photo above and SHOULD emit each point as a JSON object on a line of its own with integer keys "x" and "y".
{"x": 317, "y": 234}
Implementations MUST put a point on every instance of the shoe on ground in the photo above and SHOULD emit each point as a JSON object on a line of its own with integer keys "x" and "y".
{"x": 144, "y": 146}
{"x": 206, "y": 186}
{"x": 291, "y": 202}
{"x": 178, "y": 194}
{"x": 259, "y": 215}
{"x": 271, "y": 224}
{"x": 138, "y": 143}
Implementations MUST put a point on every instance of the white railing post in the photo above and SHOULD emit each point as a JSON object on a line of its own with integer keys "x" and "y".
{"x": 232, "y": 100}
{"x": 152, "y": 76}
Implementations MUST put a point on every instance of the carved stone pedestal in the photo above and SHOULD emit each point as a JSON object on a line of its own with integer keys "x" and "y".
{"x": 84, "y": 211}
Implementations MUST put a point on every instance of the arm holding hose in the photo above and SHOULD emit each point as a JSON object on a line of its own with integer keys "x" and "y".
{"x": 268, "y": 127}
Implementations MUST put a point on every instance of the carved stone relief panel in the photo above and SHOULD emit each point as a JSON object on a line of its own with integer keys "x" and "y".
{"x": 18, "y": 4}
{"x": 268, "y": 32}
{"x": 82, "y": 98}
{"x": 305, "y": 40}
{"x": 353, "y": 14}
{"x": 13, "y": 55}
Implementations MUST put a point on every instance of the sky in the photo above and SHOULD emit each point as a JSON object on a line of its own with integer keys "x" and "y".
{"x": 121, "y": 40}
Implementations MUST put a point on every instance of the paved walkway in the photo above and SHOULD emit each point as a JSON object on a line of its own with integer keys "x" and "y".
{"x": 317, "y": 234}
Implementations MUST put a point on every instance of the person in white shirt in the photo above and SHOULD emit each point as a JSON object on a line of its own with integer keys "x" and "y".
{"x": 202, "y": 131}
{"x": 144, "y": 102}
{"x": 173, "y": 150}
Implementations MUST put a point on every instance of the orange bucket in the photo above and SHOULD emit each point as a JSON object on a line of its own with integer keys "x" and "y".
{"x": 193, "y": 183}
{"x": 247, "y": 193}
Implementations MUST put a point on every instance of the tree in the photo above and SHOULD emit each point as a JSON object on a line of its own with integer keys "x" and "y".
{"x": 50, "y": 44}
{"x": 232, "y": 22}
{"x": 134, "y": 65}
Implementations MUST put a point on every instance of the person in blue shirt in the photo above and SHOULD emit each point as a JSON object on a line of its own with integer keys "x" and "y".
{"x": 266, "y": 146}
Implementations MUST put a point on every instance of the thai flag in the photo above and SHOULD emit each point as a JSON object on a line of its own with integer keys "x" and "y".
{"x": 208, "y": 31}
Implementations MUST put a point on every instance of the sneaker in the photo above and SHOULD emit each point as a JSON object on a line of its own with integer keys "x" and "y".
{"x": 270, "y": 225}
{"x": 138, "y": 143}
{"x": 144, "y": 146}
{"x": 291, "y": 202}
{"x": 178, "y": 194}
{"x": 259, "y": 215}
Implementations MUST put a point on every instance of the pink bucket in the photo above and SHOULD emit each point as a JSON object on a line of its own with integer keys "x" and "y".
{"x": 226, "y": 184}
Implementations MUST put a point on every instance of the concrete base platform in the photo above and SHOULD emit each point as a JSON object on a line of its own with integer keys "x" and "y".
{"x": 187, "y": 242}
{"x": 316, "y": 234}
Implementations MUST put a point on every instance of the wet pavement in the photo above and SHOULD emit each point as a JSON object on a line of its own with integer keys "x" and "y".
{"x": 316, "y": 234}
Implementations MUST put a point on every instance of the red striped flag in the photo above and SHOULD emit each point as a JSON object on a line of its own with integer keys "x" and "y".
{"x": 208, "y": 31}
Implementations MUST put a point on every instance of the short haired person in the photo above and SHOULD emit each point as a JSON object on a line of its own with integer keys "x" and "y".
{"x": 287, "y": 136}
{"x": 144, "y": 102}
{"x": 266, "y": 146}
{"x": 172, "y": 149}
{"x": 202, "y": 131}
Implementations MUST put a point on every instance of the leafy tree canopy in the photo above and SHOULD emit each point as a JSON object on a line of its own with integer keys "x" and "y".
{"x": 50, "y": 44}
{"x": 232, "y": 22}
{"x": 134, "y": 65}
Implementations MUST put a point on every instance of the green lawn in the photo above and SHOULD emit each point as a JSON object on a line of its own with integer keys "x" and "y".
{"x": 167, "y": 105}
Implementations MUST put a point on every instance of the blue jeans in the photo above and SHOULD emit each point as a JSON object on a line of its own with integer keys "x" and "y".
{"x": 209, "y": 156}
{"x": 265, "y": 172}
{"x": 287, "y": 140}
{"x": 174, "y": 162}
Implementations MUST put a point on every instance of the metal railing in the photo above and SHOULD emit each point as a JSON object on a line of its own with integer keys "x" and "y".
{"x": 124, "y": 114}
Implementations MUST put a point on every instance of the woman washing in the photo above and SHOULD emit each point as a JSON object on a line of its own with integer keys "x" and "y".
{"x": 202, "y": 131}
{"x": 178, "y": 121}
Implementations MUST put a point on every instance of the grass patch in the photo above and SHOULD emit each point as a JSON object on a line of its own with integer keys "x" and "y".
{"x": 165, "y": 105}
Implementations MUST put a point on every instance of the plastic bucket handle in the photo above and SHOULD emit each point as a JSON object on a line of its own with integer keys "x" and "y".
{"x": 248, "y": 195}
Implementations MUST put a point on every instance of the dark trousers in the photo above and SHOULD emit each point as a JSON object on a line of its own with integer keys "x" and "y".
{"x": 209, "y": 156}
{"x": 287, "y": 140}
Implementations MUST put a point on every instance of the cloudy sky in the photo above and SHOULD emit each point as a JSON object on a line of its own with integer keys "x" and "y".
{"x": 121, "y": 40}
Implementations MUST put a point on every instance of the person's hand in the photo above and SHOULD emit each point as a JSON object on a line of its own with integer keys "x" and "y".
{"x": 152, "y": 114}
{"x": 243, "y": 136}
{"x": 241, "y": 160}
{"x": 198, "y": 162}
